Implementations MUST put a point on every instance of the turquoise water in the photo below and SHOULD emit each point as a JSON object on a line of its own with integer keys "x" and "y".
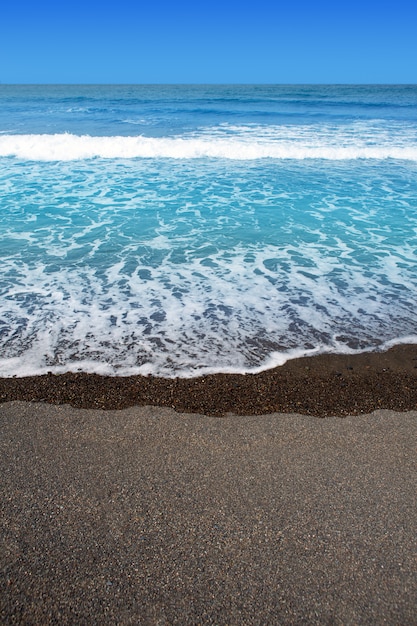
{"x": 180, "y": 230}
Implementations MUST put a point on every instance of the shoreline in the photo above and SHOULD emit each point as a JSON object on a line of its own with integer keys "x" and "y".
{"x": 321, "y": 385}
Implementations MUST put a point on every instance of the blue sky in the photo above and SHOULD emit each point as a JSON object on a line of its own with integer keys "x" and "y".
{"x": 210, "y": 42}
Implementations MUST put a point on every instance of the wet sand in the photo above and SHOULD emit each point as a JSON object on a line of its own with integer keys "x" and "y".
{"x": 322, "y": 386}
{"x": 148, "y": 516}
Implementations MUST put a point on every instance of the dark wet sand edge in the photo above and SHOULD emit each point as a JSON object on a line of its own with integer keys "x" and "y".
{"x": 320, "y": 385}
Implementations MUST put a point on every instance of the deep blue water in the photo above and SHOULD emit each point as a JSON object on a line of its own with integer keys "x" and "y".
{"x": 177, "y": 230}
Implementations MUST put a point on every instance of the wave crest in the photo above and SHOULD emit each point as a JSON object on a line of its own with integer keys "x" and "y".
{"x": 68, "y": 147}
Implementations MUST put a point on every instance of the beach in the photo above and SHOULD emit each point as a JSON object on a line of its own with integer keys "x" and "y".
{"x": 208, "y": 354}
{"x": 149, "y": 516}
{"x": 153, "y": 515}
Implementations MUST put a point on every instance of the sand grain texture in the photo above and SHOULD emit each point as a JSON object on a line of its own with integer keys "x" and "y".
{"x": 323, "y": 385}
{"x": 147, "y": 516}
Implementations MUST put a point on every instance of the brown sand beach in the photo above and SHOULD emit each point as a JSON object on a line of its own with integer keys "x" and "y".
{"x": 150, "y": 515}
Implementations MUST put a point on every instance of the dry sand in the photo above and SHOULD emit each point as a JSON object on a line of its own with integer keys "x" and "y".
{"x": 147, "y": 516}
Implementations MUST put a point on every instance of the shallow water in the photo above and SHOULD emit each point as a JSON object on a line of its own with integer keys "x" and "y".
{"x": 178, "y": 230}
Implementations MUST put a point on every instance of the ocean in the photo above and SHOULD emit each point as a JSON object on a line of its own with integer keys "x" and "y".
{"x": 183, "y": 230}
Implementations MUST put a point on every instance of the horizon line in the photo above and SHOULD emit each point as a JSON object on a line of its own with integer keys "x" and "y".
{"x": 206, "y": 84}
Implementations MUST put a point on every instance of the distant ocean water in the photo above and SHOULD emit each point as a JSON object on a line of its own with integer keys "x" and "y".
{"x": 179, "y": 230}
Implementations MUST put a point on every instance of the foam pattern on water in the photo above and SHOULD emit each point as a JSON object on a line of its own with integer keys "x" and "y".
{"x": 178, "y": 267}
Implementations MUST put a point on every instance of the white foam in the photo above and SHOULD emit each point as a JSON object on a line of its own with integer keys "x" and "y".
{"x": 242, "y": 146}
{"x": 31, "y": 365}
{"x": 187, "y": 320}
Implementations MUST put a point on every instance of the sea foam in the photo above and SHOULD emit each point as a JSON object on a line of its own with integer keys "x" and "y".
{"x": 243, "y": 144}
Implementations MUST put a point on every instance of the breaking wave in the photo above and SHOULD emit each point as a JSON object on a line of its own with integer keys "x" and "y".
{"x": 240, "y": 145}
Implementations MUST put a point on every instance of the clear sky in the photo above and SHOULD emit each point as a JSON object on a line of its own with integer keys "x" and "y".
{"x": 209, "y": 41}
